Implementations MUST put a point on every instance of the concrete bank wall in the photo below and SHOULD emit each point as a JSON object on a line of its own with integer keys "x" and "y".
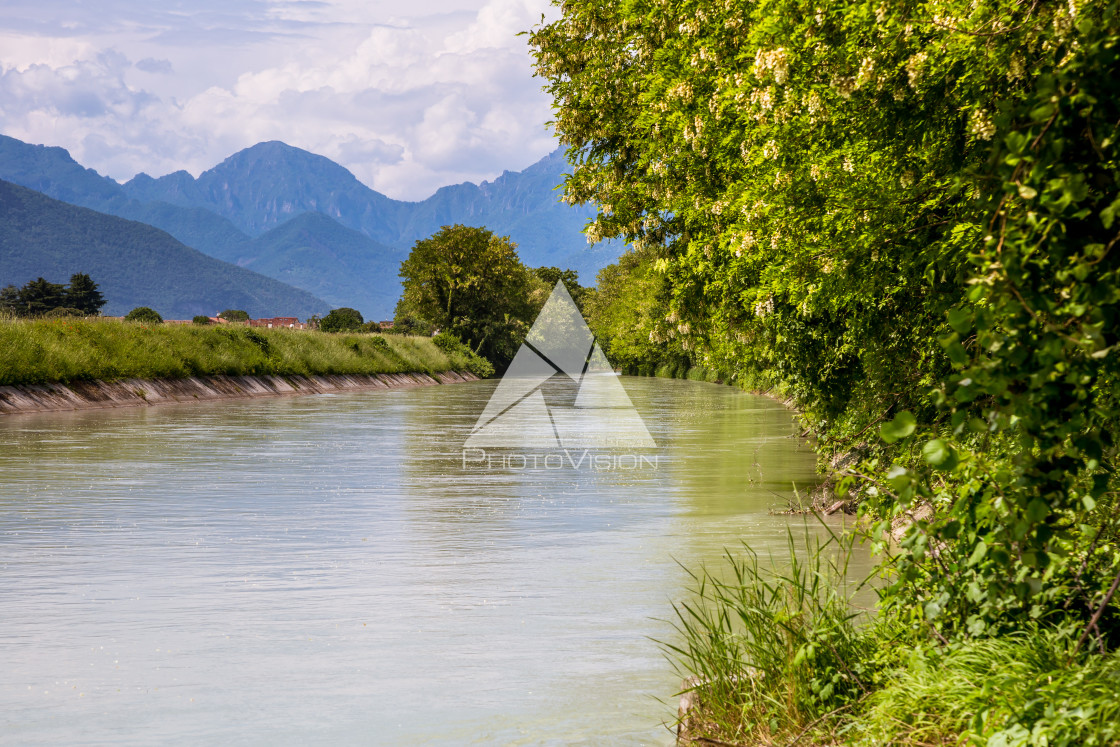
{"x": 87, "y": 395}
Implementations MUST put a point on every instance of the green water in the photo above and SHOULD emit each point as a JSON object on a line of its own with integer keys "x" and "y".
{"x": 325, "y": 569}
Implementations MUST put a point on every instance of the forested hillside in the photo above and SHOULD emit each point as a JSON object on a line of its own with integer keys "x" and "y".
{"x": 134, "y": 264}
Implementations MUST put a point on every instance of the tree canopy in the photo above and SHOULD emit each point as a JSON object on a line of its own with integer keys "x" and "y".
{"x": 864, "y": 203}
{"x": 342, "y": 319}
{"x": 468, "y": 282}
{"x": 144, "y": 315}
{"x": 234, "y": 315}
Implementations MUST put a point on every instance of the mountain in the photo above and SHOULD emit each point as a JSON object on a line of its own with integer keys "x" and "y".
{"x": 53, "y": 172}
{"x": 262, "y": 186}
{"x": 342, "y": 266}
{"x": 227, "y": 209}
{"x": 135, "y": 264}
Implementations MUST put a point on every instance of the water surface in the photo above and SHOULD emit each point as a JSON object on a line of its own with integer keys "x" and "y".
{"x": 324, "y": 568}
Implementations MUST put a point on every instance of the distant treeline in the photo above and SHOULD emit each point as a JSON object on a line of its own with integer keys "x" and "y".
{"x": 41, "y": 297}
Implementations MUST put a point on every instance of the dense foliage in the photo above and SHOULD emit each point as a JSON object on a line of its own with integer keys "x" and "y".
{"x": 234, "y": 315}
{"x": 904, "y": 215}
{"x": 144, "y": 315}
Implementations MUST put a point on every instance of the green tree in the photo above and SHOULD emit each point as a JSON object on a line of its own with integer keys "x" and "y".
{"x": 469, "y": 282}
{"x": 144, "y": 315}
{"x": 9, "y": 300}
{"x": 859, "y": 204}
{"x": 549, "y": 276}
{"x": 82, "y": 294}
{"x": 410, "y": 325}
{"x": 342, "y": 319}
{"x": 234, "y": 315}
{"x": 200, "y": 319}
{"x": 40, "y": 296}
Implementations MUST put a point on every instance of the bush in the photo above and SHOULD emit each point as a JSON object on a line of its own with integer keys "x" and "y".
{"x": 410, "y": 325}
{"x": 144, "y": 315}
{"x": 452, "y": 345}
{"x": 200, "y": 319}
{"x": 63, "y": 311}
{"x": 343, "y": 319}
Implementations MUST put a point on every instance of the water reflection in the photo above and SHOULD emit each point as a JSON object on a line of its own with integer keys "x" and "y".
{"x": 325, "y": 568}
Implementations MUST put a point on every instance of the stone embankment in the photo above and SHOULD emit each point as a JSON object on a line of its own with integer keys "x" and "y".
{"x": 90, "y": 395}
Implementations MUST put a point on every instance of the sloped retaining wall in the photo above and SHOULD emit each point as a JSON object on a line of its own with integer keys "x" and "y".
{"x": 87, "y": 395}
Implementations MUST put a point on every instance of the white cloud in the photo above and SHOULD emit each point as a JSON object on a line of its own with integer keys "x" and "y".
{"x": 406, "y": 103}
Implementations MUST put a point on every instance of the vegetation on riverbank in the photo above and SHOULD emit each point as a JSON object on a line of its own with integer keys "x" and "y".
{"x": 903, "y": 216}
{"x": 62, "y": 350}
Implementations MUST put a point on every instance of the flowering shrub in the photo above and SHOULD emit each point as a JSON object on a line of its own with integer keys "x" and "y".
{"x": 904, "y": 215}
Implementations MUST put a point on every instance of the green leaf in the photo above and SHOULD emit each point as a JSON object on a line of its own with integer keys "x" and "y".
{"x": 939, "y": 453}
{"x": 901, "y": 426}
{"x": 978, "y": 553}
{"x": 1027, "y": 193}
{"x": 960, "y": 320}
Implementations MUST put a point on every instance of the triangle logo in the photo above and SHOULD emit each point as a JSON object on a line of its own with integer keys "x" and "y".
{"x": 559, "y": 353}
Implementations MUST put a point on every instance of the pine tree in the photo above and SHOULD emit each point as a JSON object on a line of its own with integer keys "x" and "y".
{"x": 83, "y": 295}
{"x": 40, "y": 296}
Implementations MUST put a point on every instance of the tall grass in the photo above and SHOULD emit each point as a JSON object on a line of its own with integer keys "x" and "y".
{"x": 61, "y": 350}
{"x": 778, "y": 652}
{"x": 781, "y": 657}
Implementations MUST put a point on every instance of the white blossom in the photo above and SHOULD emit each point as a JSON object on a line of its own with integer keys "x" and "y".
{"x": 981, "y": 125}
{"x": 773, "y": 60}
{"x": 915, "y": 67}
{"x": 1016, "y": 70}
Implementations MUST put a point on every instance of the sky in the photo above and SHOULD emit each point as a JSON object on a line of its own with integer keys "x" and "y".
{"x": 409, "y": 96}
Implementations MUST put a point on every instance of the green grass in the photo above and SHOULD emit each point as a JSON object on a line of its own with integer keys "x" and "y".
{"x": 61, "y": 350}
{"x": 778, "y": 651}
{"x": 783, "y": 658}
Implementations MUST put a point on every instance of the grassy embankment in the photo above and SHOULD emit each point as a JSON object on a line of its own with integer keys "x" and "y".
{"x": 62, "y": 350}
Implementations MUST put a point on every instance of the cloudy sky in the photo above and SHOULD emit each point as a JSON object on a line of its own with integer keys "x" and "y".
{"x": 409, "y": 96}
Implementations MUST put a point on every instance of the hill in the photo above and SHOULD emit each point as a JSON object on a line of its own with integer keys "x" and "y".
{"x": 341, "y": 266}
{"x": 135, "y": 264}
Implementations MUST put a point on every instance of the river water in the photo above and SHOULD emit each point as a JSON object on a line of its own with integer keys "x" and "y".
{"x": 325, "y": 569}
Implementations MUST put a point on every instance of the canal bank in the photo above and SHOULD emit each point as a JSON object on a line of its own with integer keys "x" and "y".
{"x": 94, "y": 395}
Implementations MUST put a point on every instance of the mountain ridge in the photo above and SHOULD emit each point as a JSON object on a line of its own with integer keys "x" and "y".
{"x": 134, "y": 263}
{"x": 259, "y": 188}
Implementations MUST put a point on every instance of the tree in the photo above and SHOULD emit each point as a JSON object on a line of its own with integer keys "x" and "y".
{"x": 469, "y": 282}
{"x": 39, "y": 296}
{"x": 551, "y": 275}
{"x": 234, "y": 315}
{"x": 201, "y": 320}
{"x": 144, "y": 315}
{"x": 342, "y": 319}
{"x": 862, "y": 206}
{"x": 410, "y": 325}
{"x": 83, "y": 294}
{"x": 9, "y": 300}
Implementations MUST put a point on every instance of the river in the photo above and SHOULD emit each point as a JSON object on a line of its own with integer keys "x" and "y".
{"x": 326, "y": 569}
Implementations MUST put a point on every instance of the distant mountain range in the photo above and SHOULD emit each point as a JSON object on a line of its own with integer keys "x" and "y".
{"x": 302, "y": 219}
{"x": 135, "y": 264}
